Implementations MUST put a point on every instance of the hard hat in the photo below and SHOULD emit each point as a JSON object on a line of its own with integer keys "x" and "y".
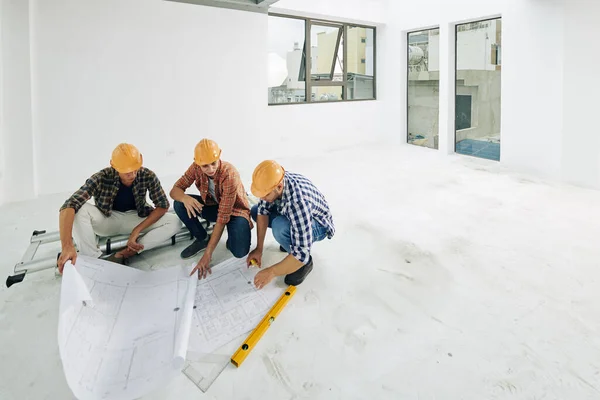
{"x": 126, "y": 158}
{"x": 267, "y": 175}
{"x": 206, "y": 152}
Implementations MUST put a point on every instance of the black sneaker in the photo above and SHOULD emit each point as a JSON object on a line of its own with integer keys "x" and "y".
{"x": 282, "y": 249}
{"x": 297, "y": 277}
{"x": 194, "y": 248}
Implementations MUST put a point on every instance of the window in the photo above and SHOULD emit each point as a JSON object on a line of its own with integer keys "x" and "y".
{"x": 286, "y": 51}
{"x": 340, "y": 59}
{"x": 478, "y": 88}
{"x": 423, "y": 98}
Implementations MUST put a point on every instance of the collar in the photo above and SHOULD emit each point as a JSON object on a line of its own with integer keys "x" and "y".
{"x": 117, "y": 178}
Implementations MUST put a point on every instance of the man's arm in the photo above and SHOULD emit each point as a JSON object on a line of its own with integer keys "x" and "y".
{"x": 161, "y": 206}
{"x": 154, "y": 216}
{"x": 67, "y": 217}
{"x": 177, "y": 193}
{"x": 262, "y": 223}
{"x": 228, "y": 190}
{"x": 65, "y": 224}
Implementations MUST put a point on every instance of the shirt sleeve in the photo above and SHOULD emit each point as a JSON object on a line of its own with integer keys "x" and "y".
{"x": 156, "y": 191}
{"x": 263, "y": 208}
{"x": 187, "y": 179}
{"x": 300, "y": 230}
{"x": 228, "y": 189}
{"x": 84, "y": 193}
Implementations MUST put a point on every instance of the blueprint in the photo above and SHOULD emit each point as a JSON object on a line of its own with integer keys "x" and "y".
{"x": 123, "y": 332}
{"x": 227, "y": 306}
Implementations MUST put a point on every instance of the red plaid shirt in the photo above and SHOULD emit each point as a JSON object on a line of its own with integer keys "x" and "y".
{"x": 229, "y": 190}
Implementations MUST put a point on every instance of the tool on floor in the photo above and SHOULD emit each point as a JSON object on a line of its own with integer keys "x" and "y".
{"x": 240, "y": 355}
{"x": 106, "y": 244}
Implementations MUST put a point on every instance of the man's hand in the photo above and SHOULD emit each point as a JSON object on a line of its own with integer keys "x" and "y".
{"x": 255, "y": 255}
{"x": 67, "y": 253}
{"x": 263, "y": 277}
{"x": 132, "y": 243}
{"x": 203, "y": 267}
{"x": 193, "y": 206}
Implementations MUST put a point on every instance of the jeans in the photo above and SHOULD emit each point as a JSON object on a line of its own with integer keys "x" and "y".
{"x": 280, "y": 225}
{"x": 238, "y": 228}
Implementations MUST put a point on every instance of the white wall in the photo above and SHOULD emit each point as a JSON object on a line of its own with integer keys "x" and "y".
{"x": 532, "y": 63}
{"x": 581, "y": 139}
{"x": 161, "y": 75}
{"x": 2, "y": 140}
{"x": 17, "y": 158}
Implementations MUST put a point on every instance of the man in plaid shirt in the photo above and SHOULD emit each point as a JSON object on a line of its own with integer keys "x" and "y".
{"x": 119, "y": 192}
{"x": 222, "y": 200}
{"x": 299, "y": 216}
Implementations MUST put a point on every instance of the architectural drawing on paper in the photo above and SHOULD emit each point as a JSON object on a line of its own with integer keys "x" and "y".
{"x": 132, "y": 336}
{"x": 227, "y": 307}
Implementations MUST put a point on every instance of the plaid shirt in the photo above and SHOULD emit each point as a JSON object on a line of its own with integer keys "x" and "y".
{"x": 229, "y": 190}
{"x": 104, "y": 185}
{"x": 301, "y": 202}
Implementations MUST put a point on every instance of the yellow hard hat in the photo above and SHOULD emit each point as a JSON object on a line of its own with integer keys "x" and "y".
{"x": 206, "y": 152}
{"x": 267, "y": 175}
{"x": 126, "y": 158}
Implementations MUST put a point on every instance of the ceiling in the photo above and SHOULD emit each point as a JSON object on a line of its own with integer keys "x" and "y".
{"x": 245, "y": 5}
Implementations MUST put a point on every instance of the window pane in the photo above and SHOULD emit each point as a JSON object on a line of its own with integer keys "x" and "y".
{"x": 325, "y": 40}
{"x": 327, "y": 93}
{"x": 478, "y": 73}
{"x": 361, "y": 56}
{"x": 286, "y": 48}
{"x": 423, "y": 88}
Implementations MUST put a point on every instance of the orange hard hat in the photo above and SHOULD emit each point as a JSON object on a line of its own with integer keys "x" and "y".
{"x": 126, "y": 158}
{"x": 206, "y": 152}
{"x": 267, "y": 175}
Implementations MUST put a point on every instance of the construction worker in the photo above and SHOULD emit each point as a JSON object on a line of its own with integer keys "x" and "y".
{"x": 299, "y": 216}
{"x": 119, "y": 192}
{"x": 222, "y": 200}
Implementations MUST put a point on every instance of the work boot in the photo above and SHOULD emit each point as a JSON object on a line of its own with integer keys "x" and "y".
{"x": 194, "y": 248}
{"x": 297, "y": 277}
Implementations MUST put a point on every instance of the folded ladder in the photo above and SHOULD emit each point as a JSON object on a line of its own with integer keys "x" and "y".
{"x": 107, "y": 245}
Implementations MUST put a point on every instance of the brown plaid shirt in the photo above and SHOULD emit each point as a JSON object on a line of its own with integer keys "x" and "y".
{"x": 229, "y": 190}
{"x": 104, "y": 185}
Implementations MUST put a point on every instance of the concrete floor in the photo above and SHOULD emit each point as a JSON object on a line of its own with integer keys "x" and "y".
{"x": 448, "y": 278}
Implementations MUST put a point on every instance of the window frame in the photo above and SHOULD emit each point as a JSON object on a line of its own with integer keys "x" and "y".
{"x": 306, "y": 60}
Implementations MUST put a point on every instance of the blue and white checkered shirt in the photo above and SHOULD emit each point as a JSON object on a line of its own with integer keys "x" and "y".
{"x": 301, "y": 202}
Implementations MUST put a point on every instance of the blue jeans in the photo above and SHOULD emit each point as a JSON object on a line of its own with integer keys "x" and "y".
{"x": 238, "y": 228}
{"x": 280, "y": 225}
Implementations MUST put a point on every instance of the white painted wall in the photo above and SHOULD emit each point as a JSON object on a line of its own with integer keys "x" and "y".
{"x": 162, "y": 75}
{"x": 17, "y": 160}
{"x": 581, "y": 139}
{"x": 2, "y": 140}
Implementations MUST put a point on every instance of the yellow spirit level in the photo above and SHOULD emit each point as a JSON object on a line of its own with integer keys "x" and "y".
{"x": 240, "y": 355}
